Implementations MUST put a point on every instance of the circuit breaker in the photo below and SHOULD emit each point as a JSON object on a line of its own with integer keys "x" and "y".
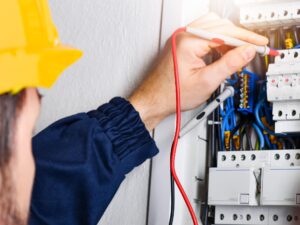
{"x": 252, "y": 185}
{"x": 283, "y": 89}
{"x": 287, "y": 183}
{"x": 243, "y": 192}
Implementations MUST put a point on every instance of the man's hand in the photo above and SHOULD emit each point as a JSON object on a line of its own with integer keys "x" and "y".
{"x": 154, "y": 99}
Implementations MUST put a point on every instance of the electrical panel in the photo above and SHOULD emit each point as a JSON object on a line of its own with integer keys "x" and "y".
{"x": 254, "y": 137}
{"x": 242, "y": 166}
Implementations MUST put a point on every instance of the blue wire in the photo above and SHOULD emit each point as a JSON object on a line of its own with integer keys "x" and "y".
{"x": 268, "y": 141}
{"x": 258, "y": 120}
{"x": 268, "y": 113}
{"x": 297, "y": 46}
{"x": 233, "y": 115}
{"x": 222, "y": 113}
{"x": 232, "y": 120}
{"x": 260, "y": 136}
{"x": 229, "y": 119}
{"x": 232, "y": 82}
{"x": 225, "y": 122}
{"x": 222, "y": 135}
{"x": 236, "y": 76}
{"x": 228, "y": 108}
{"x": 250, "y": 73}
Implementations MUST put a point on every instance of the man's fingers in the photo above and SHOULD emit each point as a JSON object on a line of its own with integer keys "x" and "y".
{"x": 190, "y": 45}
{"x": 239, "y": 33}
{"x": 212, "y": 22}
{"x": 230, "y": 63}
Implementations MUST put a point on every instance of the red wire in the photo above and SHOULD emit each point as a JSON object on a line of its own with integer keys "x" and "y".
{"x": 178, "y": 125}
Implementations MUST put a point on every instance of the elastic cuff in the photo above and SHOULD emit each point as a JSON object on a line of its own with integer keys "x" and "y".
{"x": 122, "y": 124}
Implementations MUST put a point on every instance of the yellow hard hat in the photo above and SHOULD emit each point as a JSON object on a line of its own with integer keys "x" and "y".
{"x": 31, "y": 54}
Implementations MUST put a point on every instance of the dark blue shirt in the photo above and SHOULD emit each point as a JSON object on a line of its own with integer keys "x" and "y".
{"x": 82, "y": 160}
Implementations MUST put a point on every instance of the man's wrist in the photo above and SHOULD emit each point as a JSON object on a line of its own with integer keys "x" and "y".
{"x": 148, "y": 108}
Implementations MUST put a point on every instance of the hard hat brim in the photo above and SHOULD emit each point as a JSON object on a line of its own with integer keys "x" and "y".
{"x": 35, "y": 69}
{"x": 54, "y": 61}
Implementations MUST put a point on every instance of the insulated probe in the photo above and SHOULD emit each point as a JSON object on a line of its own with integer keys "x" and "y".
{"x": 228, "y": 92}
{"x": 225, "y": 40}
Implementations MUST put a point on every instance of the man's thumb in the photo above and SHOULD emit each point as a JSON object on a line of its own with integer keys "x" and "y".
{"x": 230, "y": 63}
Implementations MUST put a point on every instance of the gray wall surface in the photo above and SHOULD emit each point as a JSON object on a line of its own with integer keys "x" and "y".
{"x": 120, "y": 39}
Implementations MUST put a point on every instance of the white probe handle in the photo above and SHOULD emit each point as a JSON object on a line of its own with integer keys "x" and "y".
{"x": 263, "y": 50}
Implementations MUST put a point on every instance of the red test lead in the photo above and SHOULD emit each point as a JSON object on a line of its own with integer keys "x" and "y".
{"x": 177, "y": 130}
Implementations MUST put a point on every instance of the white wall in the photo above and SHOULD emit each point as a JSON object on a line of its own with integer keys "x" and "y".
{"x": 120, "y": 38}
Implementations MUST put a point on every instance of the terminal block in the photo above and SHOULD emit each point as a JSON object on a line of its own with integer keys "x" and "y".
{"x": 247, "y": 92}
{"x": 283, "y": 90}
{"x": 270, "y": 14}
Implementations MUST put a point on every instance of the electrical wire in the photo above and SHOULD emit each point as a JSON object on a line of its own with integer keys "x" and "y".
{"x": 281, "y": 140}
{"x": 257, "y": 144}
{"x": 292, "y": 142}
{"x": 268, "y": 142}
{"x": 236, "y": 129}
{"x": 260, "y": 136}
{"x": 258, "y": 120}
{"x": 233, "y": 81}
{"x": 177, "y": 129}
{"x": 260, "y": 123}
{"x": 219, "y": 137}
{"x": 295, "y": 32}
{"x": 248, "y": 138}
{"x": 172, "y": 211}
{"x": 282, "y": 37}
{"x": 242, "y": 134}
{"x": 297, "y": 46}
{"x": 225, "y": 123}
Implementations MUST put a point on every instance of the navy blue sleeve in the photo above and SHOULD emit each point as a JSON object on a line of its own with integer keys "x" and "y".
{"x": 82, "y": 160}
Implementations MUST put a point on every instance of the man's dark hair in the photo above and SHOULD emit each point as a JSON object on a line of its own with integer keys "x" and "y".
{"x": 10, "y": 106}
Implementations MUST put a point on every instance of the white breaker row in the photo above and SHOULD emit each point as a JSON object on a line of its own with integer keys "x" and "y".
{"x": 270, "y": 14}
{"x": 256, "y": 187}
{"x": 283, "y": 90}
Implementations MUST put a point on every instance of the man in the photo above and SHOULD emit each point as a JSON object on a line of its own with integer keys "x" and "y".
{"x": 81, "y": 160}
